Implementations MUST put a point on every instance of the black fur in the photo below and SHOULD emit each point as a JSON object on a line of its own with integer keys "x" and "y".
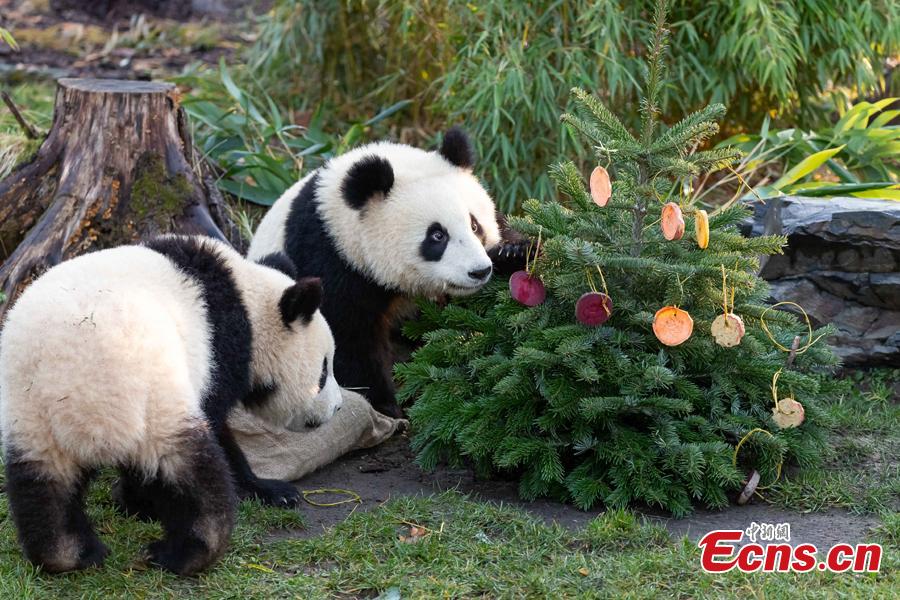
{"x": 260, "y": 394}
{"x": 280, "y": 262}
{"x": 323, "y": 378}
{"x": 432, "y": 249}
{"x": 457, "y": 148}
{"x": 46, "y": 512}
{"x": 369, "y": 176}
{"x": 356, "y": 308}
{"x": 232, "y": 347}
{"x": 513, "y": 251}
{"x": 301, "y": 300}
{"x": 196, "y": 509}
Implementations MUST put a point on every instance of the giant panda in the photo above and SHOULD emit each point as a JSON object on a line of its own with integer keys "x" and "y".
{"x": 381, "y": 224}
{"x": 133, "y": 357}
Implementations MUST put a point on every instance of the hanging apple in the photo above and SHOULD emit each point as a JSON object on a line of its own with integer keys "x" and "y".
{"x": 601, "y": 188}
{"x": 527, "y": 289}
{"x": 672, "y": 222}
{"x": 593, "y": 309}
{"x": 672, "y": 325}
{"x": 727, "y": 329}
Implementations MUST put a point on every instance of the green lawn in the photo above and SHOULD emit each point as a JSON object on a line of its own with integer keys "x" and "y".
{"x": 472, "y": 549}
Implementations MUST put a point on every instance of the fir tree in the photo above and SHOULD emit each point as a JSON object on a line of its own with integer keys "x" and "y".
{"x": 609, "y": 414}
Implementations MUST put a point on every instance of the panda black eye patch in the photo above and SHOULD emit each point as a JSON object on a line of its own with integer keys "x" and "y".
{"x": 435, "y": 242}
{"x": 324, "y": 376}
{"x": 477, "y": 229}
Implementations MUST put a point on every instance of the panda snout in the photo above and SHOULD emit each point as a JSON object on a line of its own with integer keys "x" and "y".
{"x": 481, "y": 274}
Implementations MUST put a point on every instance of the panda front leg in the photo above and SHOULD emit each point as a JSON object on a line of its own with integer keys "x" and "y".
{"x": 366, "y": 366}
{"x": 48, "y": 511}
{"x": 273, "y": 492}
{"x": 194, "y": 500}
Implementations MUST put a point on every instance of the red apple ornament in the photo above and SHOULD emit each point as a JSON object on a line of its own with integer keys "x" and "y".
{"x": 593, "y": 309}
{"x": 527, "y": 289}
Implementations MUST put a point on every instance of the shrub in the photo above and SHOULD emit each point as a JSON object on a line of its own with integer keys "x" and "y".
{"x": 610, "y": 414}
{"x": 499, "y": 67}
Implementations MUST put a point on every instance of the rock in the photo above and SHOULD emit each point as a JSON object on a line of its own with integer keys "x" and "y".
{"x": 842, "y": 264}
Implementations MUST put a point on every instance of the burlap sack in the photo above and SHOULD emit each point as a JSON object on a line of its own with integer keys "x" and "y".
{"x": 284, "y": 454}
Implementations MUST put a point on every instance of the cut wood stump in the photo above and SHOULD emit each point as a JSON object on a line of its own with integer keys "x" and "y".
{"x": 117, "y": 166}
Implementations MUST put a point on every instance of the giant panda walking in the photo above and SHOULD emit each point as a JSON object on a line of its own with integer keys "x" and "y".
{"x": 380, "y": 224}
{"x": 132, "y": 358}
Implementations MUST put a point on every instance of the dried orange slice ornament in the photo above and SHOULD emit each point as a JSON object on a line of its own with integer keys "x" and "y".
{"x": 672, "y": 325}
{"x": 601, "y": 188}
{"x": 788, "y": 413}
{"x": 672, "y": 222}
{"x": 701, "y": 228}
{"x": 727, "y": 330}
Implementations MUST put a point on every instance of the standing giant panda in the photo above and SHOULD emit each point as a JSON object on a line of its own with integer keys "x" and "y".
{"x": 133, "y": 357}
{"x": 380, "y": 224}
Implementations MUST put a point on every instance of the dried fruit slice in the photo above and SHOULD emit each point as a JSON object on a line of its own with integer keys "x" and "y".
{"x": 728, "y": 330}
{"x": 601, "y": 188}
{"x": 672, "y": 222}
{"x": 788, "y": 413}
{"x": 672, "y": 325}
{"x": 701, "y": 228}
{"x": 526, "y": 289}
{"x": 593, "y": 309}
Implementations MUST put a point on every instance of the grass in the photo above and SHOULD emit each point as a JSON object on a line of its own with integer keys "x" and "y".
{"x": 35, "y": 102}
{"x": 862, "y": 472}
{"x": 470, "y": 549}
{"x": 480, "y": 549}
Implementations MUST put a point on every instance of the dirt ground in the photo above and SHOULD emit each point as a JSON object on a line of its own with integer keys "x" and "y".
{"x": 128, "y": 41}
{"x": 387, "y": 471}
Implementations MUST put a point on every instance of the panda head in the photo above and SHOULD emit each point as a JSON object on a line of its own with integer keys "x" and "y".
{"x": 414, "y": 221}
{"x": 292, "y": 365}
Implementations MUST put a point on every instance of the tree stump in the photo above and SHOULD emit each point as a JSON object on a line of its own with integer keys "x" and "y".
{"x": 118, "y": 165}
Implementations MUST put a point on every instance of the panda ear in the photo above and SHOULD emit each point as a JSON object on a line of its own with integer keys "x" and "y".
{"x": 369, "y": 177}
{"x": 457, "y": 148}
{"x": 301, "y": 300}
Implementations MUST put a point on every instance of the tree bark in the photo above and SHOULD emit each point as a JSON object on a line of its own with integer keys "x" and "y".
{"x": 118, "y": 165}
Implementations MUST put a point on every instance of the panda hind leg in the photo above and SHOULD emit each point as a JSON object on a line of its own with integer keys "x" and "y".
{"x": 48, "y": 512}
{"x": 195, "y": 503}
{"x": 135, "y": 496}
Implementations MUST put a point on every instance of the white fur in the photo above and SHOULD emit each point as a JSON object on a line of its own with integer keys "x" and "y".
{"x": 383, "y": 239}
{"x": 270, "y": 233}
{"x": 292, "y": 358}
{"x": 105, "y": 359}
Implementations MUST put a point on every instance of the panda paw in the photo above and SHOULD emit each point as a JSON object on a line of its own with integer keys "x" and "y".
{"x": 274, "y": 492}
{"x": 182, "y": 556}
{"x": 92, "y": 554}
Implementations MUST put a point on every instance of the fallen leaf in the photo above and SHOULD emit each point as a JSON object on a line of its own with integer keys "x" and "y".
{"x": 584, "y": 571}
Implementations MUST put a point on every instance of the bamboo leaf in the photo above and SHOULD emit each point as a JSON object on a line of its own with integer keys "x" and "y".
{"x": 806, "y": 166}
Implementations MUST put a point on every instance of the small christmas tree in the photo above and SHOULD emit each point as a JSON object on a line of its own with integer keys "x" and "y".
{"x": 594, "y": 407}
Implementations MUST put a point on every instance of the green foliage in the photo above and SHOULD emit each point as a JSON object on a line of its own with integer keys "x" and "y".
{"x": 609, "y": 414}
{"x": 258, "y": 151}
{"x": 498, "y": 67}
{"x": 857, "y": 156}
{"x": 7, "y": 38}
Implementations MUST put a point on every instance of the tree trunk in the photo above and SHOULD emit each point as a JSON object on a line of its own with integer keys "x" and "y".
{"x": 117, "y": 165}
